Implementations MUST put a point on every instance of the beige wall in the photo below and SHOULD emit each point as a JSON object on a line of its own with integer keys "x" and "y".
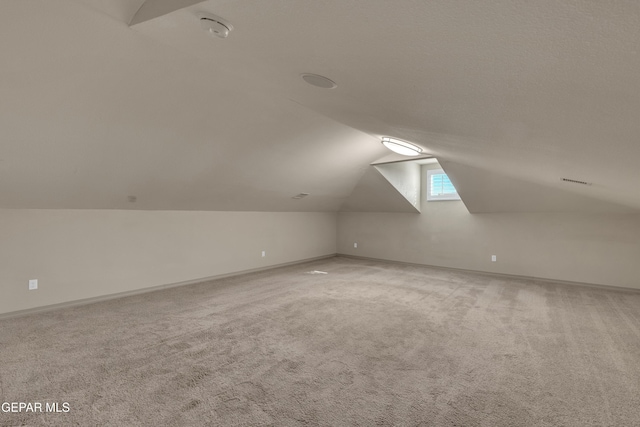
{"x": 78, "y": 254}
{"x": 590, "y": 248}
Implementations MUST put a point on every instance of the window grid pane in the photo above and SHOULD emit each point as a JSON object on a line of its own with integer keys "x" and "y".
{"x": 441, "y": 185}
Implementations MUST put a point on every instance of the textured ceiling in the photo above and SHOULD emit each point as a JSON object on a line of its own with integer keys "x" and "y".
{"x": 94, "y": 110}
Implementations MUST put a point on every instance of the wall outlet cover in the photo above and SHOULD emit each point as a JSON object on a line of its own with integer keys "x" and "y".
{"x": 33, "y": 284}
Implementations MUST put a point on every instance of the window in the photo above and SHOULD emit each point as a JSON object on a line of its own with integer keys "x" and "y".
{"x": 439, "y": 187}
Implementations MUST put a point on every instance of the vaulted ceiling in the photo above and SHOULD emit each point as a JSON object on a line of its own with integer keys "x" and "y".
{"x": 106, "y": 99}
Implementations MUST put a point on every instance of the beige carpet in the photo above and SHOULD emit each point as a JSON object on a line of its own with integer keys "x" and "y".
{"x": 366, "y": 344}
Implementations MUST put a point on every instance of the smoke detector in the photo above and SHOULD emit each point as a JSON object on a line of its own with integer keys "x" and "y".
{"x": 215, "y": 26}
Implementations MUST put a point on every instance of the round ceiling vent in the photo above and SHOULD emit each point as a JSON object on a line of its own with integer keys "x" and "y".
{"x": 319, "y": 81}
{"x": 215, "y": 26}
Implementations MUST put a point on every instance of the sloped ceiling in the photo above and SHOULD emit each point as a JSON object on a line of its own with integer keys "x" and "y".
{"x": 406, "y": 178}
{"x": 94, "y": 110}
{"x": 387, "y": 187}
{"x": 484, "y": 191}
{"x": 375, "y": 193}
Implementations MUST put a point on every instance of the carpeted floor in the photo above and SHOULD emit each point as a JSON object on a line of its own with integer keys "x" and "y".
{"x": 366, "y": 344}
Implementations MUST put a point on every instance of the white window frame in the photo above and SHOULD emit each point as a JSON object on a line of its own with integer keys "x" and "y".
{"x": 435, "y": 198}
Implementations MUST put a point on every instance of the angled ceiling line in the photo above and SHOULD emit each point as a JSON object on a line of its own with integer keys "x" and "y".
{"x": 152, "y": 9}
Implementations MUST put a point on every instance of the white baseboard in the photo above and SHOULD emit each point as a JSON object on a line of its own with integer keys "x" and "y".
{"x": 502, "y": 275}
{"x": 92, "y": 300}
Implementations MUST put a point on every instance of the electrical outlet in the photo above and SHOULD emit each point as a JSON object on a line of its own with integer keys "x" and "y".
{"x": 264, "y": 254}
{"x": 33, "y": 284}
{"x": 355, "y": 245}
{"x": 493, "y": 258}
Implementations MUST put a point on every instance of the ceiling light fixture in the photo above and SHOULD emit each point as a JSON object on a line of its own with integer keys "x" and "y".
{"x": 215, "y": 26}
{"x": 401, "y": 147}
{"x": 319, "y": 81}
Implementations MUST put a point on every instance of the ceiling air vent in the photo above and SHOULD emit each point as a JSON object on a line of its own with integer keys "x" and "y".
{"x": 575, "y": 181}
{"x": 300, "y": 196}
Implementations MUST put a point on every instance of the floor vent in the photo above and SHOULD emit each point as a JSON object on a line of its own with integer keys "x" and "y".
{"x": 575, "y": 181}
{"x": 300, "y": 196}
